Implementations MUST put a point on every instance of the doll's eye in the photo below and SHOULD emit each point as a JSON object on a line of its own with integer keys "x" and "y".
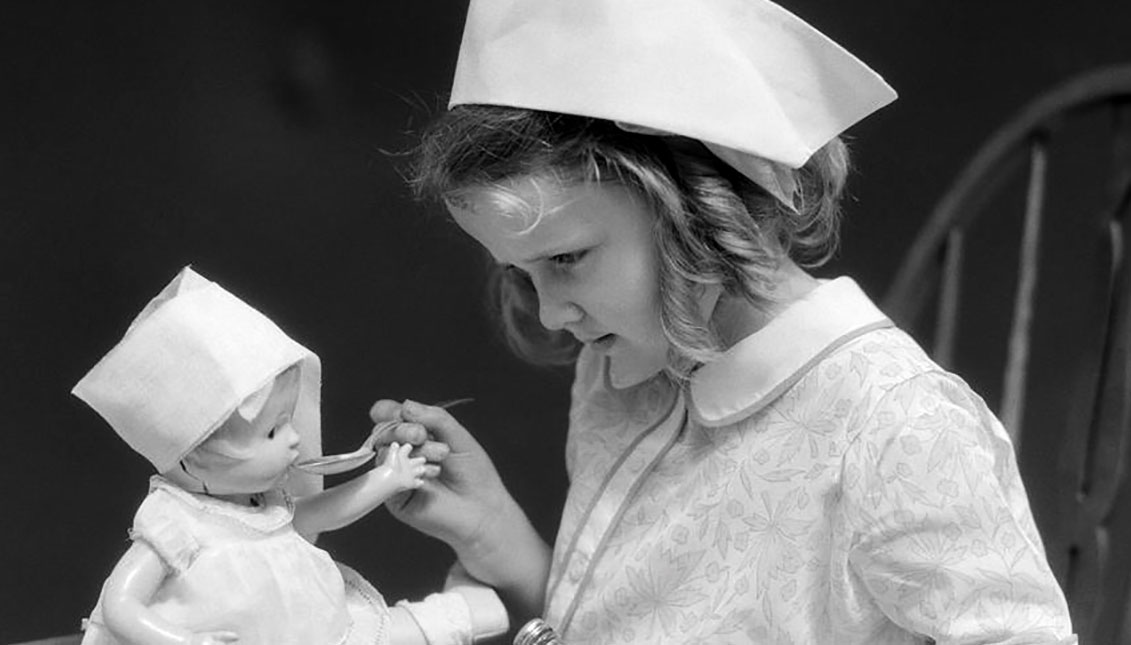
{"x": 271, "y": 433}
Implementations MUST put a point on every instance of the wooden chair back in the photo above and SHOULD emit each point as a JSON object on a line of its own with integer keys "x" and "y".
{"x": 1053, "y": 292}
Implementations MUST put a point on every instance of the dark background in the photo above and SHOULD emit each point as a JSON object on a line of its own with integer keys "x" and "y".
{"x": 260, "y": 142}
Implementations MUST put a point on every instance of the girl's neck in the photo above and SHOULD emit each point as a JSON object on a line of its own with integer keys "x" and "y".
{"x": 735, "y": 317}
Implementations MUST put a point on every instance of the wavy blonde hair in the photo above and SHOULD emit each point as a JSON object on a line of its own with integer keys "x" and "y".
{"x": 714, "y": 226}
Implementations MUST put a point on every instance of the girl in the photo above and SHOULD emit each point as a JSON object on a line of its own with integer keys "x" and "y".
{"x": 223, "y": 404}
{"x": 755, "y": 455}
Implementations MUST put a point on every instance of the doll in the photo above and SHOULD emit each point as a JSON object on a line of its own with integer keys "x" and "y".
{"x": 223, "y": 404}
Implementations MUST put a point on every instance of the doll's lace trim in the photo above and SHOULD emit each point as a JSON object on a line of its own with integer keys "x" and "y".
{"x": 369, "y": 615}
{"x": 276, "y": 511}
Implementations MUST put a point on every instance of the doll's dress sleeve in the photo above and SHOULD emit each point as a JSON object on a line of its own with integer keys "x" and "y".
{"x": 163, "y": 526}
{"x": 159, "y": 525}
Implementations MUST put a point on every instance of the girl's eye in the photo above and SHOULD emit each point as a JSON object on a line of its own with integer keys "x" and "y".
{"x": 567, "y": 259}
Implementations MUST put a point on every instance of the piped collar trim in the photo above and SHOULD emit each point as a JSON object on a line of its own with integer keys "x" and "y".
{"x": 759, "y": 368}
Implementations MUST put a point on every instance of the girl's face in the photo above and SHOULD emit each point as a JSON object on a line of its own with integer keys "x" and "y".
{"x": 591, "y": 256}
{"x": 256, "y": 455}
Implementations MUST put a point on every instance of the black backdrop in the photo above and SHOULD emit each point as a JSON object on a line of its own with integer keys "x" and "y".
{"x": 260, "y": 141}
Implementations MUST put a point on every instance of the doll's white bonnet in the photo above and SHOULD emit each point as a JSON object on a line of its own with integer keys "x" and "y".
{"x": 193, "y": 356}
{"x": 758, "y": 86}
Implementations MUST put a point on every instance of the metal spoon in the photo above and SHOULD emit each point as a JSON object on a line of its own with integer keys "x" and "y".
{"x": 335, "y": 464}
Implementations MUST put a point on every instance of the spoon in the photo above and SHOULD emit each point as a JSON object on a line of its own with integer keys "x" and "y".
{"x": 335, "y": 464}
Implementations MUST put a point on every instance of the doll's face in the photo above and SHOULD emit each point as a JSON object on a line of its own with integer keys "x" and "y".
{"x": 244, "y": 457}
{"x": 590, "y": 253}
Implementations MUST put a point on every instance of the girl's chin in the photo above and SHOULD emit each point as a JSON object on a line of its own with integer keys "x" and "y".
{"x": 630, "y": 365}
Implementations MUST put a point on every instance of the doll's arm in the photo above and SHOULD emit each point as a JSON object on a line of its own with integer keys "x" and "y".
{"x": 133, "y": 582}
{"x": 344, "y": 504}
{"x": 460, "y": 615}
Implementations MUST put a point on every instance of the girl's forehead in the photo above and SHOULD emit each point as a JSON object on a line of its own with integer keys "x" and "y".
{"x": 519, "y": 202}
{"x": 519, "y": 205}
{"x": 533, "y": 216}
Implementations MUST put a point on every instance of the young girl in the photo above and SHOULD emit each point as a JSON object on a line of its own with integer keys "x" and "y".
{"x": 755, "y": 455}
{"x": 223, "y": 403}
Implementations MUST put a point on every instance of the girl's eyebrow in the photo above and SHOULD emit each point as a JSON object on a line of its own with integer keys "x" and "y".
{"x": 562, "y": 249}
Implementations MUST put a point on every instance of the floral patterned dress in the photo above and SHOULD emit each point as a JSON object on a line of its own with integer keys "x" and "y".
{"x": 822, "y": 482}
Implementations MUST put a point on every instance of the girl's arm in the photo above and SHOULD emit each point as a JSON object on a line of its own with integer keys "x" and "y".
{"x": 467, "y": 506}
{"x": 944, "y": 540}
{"x": 133, "y": 582}
{"x": 344, "y": 504}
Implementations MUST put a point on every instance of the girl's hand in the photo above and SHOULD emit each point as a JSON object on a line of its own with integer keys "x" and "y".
{"x": 403, "y": 471}
{"x": 466, "y": 504}
{"x": 467, "y": 494}
{"x": 214, "y": 638}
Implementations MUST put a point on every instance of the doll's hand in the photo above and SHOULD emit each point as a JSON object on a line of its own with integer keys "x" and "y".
{"x": 214, "y": 638}
{"x": 405, "y": 472}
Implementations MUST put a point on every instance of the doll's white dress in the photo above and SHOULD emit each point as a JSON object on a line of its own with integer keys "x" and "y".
{"x": 245, "y": 569}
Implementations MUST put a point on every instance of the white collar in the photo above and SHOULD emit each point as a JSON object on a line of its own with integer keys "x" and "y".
{"x": 759, "y": 368}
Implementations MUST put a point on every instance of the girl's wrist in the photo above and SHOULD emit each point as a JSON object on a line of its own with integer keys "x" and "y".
{"x": 511, "y": 557}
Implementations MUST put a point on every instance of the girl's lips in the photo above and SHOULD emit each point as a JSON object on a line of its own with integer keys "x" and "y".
{"x": 604, "y": 342}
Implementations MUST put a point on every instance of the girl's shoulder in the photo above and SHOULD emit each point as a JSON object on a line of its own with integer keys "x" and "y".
{"x": 874, "y": 362}
{"x": 874, "y": 368}
{"x": 898, "y": 386}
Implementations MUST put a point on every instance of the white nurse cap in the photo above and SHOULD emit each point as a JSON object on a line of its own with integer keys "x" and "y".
{"x": 193, "y": 356}
{"x": 758, "y": 86}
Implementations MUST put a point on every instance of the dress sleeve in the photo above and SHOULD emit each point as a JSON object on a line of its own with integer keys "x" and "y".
{"x": 944, "y": 540}
{"x": 165, "y": 528}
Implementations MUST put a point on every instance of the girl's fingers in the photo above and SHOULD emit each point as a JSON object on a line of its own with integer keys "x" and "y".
{"x": 432, "y": 451}
{"x": 441, "y": 425}
{"x": 384, "y": 410}
{"x": 413, "y": 433}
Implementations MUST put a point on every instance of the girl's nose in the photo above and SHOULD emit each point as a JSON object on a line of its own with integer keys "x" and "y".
{"x": 555, "y": 314}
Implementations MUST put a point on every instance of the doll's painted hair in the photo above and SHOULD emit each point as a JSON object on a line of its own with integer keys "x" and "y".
{"x": 714, "y": 226}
